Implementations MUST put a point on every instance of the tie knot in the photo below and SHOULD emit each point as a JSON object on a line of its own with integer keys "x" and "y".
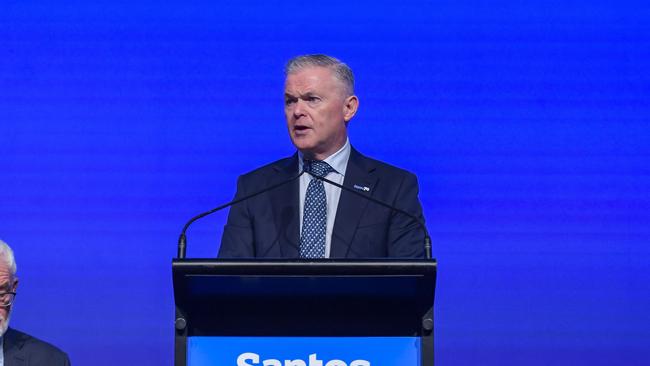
{"x": 320, "y": 168}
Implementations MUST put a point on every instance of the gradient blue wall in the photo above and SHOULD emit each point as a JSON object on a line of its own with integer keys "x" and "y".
{"x": 526, "y": 122}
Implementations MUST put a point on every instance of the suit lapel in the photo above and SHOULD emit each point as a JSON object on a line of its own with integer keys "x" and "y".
{"x": 351, "y": 206}
{"x": 12, "y": 345}
{"x": 285, "y": 204}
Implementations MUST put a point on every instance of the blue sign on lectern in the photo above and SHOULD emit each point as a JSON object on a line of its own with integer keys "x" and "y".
{"x": 303, "y": 351}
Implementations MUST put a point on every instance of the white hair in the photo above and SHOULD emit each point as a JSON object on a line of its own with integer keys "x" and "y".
{"x": 7, "y": 255}
{"x": 341, "y": 71}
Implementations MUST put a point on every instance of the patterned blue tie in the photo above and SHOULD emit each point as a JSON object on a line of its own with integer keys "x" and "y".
{"x": 314, "y": 218}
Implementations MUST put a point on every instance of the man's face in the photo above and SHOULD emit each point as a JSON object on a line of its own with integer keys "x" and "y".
{"x": 317, "y": 110}
{"x": 7, "y": 284}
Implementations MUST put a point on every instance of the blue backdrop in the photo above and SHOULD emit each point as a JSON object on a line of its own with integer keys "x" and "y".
{"x": 526, "y": 123}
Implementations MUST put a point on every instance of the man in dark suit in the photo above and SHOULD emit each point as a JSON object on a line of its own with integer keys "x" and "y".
{"x": 307, "y": 218}
{"x": 20, "y": 349}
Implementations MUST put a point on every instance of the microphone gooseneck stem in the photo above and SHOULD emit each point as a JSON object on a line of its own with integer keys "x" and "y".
{"x": 182, "y": 240}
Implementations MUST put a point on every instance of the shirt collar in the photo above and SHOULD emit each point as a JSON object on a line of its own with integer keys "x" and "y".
{"x": 338, "y": 161}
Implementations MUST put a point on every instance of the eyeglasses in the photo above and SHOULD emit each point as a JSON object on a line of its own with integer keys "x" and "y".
{"x": 7, "y": 298}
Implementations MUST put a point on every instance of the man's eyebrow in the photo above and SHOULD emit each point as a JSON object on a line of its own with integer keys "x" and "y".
{"x": 309, "y": 94}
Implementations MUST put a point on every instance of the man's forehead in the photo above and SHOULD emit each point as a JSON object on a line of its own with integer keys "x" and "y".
{"x": 5, "y": 273}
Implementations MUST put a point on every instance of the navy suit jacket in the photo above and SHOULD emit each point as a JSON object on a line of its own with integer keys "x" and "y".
{"x": 21, "y": 349}
{"x": 267, "y": 226}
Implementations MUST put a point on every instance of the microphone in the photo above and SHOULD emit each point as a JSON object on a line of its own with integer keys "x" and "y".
{"x": 182, "y": 240}
{"x": 427, "y": 239}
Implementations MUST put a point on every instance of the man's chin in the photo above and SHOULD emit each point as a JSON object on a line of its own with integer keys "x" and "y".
{"x": 304, "y": 146}
{"x": 302, "y": 142}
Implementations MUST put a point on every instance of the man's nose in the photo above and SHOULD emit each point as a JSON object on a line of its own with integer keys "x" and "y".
{"x": 299, "y": 108}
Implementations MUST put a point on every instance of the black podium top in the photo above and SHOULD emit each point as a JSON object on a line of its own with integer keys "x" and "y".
{"x": 304, "y": 298}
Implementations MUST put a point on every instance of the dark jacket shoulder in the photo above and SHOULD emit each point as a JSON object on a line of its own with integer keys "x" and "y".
{"x": 268, "y": 174}
{"x": 397, "y": 177}
{"x": 22, "y": 349}
{"x": 286, "y": 165}
{"x": 290, "y": 164}
{"x": 383, "y": 167}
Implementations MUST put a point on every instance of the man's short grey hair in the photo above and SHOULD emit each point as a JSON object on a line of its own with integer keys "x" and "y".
{"x": 341, "y": 70}
{"x": 7, "y": 255}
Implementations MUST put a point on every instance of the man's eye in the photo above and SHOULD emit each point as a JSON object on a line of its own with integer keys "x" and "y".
{"x": 313, "y": 99}
{"x": 289, "y": 101}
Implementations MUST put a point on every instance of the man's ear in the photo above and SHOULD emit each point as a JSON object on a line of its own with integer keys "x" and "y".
{"x": 350, "y": 106}
{"x": 15, "y": 285}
